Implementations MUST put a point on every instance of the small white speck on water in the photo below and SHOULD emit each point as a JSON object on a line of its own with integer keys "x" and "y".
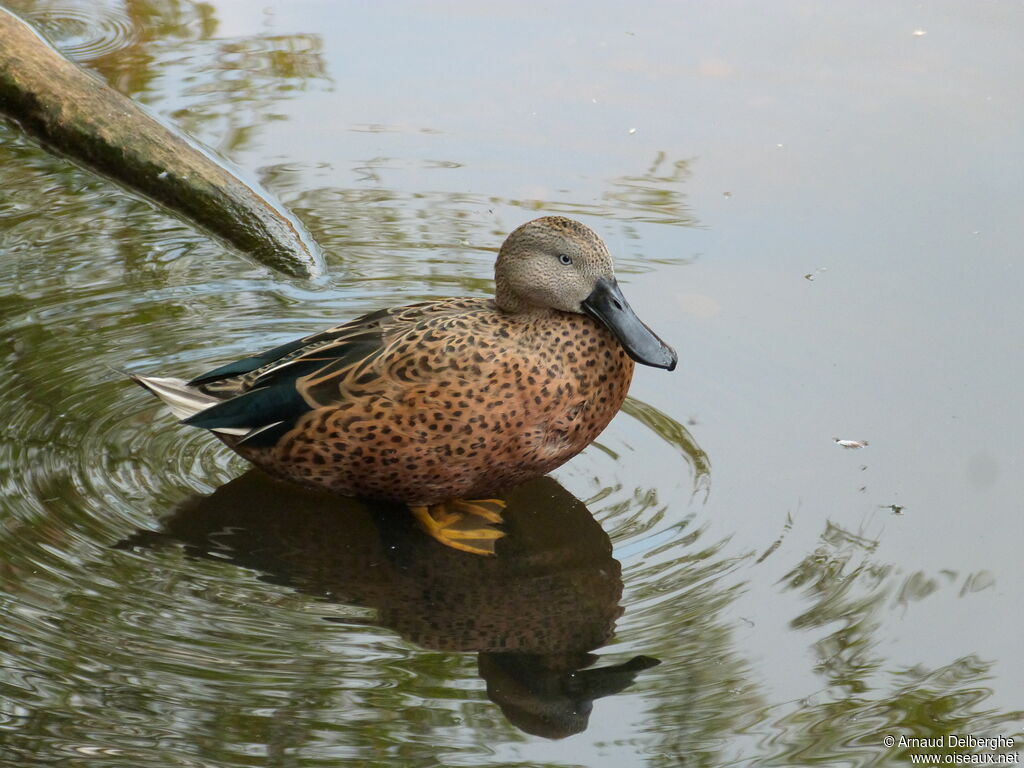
{"x": 919, "y": 32}
{"x": 778, "y": 146}
{"x": 850, "y": 443}
{"x": 632, "y": 131}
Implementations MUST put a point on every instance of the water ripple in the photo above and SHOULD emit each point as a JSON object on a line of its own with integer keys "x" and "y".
{"x": 84, "y": 30}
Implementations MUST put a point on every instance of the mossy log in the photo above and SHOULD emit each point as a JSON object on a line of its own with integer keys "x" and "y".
{"x": 74, "y": 113}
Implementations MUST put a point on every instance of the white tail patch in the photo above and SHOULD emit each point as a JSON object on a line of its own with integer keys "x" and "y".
{"x": 183, "y": 400}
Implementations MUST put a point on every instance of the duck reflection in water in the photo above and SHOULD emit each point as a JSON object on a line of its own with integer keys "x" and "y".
{"x": 533, "y": 615}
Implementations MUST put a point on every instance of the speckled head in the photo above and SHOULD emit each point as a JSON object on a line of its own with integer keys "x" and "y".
{"x": 557, "y": 263}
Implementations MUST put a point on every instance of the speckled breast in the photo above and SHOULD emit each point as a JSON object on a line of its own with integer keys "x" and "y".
{"x": 495, "y": 403}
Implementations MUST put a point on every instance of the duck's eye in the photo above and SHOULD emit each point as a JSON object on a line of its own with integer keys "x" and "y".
{"x": 565, "y": 259}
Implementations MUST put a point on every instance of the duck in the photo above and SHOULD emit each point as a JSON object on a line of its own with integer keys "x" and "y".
{"x": 441, "y": 405}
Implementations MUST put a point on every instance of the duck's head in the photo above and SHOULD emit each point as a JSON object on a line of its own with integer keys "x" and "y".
{"x": 558, "y": 263}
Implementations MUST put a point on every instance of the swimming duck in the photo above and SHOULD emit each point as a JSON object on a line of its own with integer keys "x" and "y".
{"x": 444, "y": 403}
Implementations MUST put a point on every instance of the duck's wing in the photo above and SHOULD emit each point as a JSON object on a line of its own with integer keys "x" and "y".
{"x": 240, "y": 376}
{"x": 266, "y": 393}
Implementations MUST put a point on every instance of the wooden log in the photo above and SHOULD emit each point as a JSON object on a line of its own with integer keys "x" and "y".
{"x": 75, "y": 113}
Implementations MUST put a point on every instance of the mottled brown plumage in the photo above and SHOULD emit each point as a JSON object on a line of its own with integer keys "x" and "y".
{"x": 450, "y": 399}
{"x": 462, "y": 401}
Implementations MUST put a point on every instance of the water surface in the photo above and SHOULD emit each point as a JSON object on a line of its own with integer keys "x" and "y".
{"x": 817, "y": 204}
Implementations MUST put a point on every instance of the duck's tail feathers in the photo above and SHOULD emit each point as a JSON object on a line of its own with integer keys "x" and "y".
{"x": 183, "y": 400}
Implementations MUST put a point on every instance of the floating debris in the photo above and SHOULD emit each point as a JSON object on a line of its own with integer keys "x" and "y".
{"x": 896, "y": 509}
{"x": 919, "y": 32}
{"x": 810, "y": 276}
{"x": 727, "y": 194}
{"x": 632, "y": 131}
{"x": 850, "y": 443}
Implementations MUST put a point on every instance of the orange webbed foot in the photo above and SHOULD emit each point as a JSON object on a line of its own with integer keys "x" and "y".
{"x": 463, "y": 524}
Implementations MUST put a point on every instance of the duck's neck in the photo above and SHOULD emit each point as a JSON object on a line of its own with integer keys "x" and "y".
{"x": 506, "y": 300}
{"x": 520, "y": 308}
{"x": 513, "y": 304}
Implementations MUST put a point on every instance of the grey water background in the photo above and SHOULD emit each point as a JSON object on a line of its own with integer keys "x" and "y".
{"x": 818, "y": 204}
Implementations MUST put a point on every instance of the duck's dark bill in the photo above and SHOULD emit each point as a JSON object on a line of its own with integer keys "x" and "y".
{"x": 608, "y": 305}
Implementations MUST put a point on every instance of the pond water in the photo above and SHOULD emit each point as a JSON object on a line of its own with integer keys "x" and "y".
{"x": 817, "y": 204}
